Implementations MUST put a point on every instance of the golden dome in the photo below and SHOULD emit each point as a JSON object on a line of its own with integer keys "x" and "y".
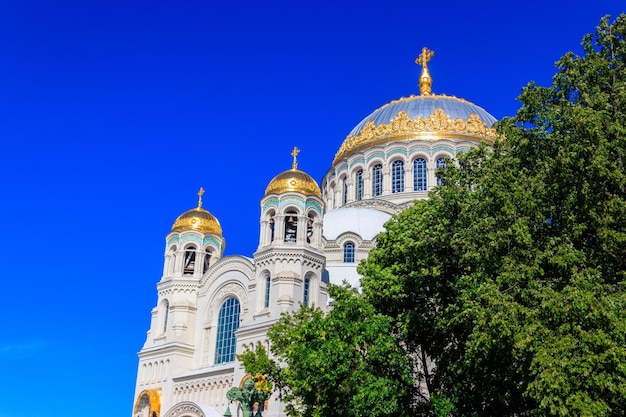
{"x": 293, "y": 180}
{"x": 197, "y": 219}
{"x": 427, "y": 116}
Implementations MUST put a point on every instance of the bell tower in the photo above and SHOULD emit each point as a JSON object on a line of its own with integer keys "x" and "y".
{"x": 193, "y": 245}
{"x": 289, "y": 261}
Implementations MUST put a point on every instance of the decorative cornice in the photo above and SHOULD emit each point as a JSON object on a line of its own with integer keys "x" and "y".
{"x": 170, "y": 348}
{"x": 213, "y": 373}
{"x": 404, "y": 126}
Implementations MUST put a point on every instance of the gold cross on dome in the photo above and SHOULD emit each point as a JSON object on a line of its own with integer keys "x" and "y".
{"x": 200, "y": 193}
{"x": 295, "y": 153}
{"x": 425, "y": 82}
{"x": 425, "y": 57}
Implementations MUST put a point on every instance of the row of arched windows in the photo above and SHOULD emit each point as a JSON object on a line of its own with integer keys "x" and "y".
{"x": 290, "y": 225}
{"x": 154, "y": 371}
{"x": 192, "y": 260}
{"x": 420, "y": 179}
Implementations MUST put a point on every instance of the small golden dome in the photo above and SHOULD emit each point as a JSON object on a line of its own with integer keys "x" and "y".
{"x": 293, "y": 180}
{"x": 197, "y": 219}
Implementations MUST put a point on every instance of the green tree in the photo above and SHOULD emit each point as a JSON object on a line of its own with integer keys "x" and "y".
{"x": 344, "y": 362}
{"x": 511, "y": 276}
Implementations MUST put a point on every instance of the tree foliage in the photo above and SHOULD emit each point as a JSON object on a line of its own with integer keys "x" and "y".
{"x": 345, "y": 362}
{"x": 511, "y": 276}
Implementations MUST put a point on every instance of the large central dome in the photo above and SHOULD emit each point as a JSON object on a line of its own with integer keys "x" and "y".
{"x": 420, "y": 116}
{"x": 427, "y": 117}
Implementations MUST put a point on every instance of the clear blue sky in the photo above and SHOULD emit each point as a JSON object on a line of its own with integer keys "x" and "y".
{"x": 114, "y": 113}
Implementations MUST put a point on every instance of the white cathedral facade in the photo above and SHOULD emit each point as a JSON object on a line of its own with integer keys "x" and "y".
{"x": 211, "y": 308}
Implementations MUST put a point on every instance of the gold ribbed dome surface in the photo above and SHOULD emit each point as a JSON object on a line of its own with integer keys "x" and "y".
{"x": 293, "y": 180}
{"x": 197, "y": 219}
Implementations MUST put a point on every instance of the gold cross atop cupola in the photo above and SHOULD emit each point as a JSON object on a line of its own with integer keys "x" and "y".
{"x": 200, "y": 197}
{"x": 295, "y": 153}
{"x": 425, "y": 80}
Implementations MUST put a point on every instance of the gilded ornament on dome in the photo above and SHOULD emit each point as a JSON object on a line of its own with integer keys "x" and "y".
{"x": 403, "y": 125}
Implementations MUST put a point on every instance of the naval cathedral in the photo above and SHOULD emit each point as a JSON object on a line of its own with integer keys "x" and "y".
{"x": 211, "y": 308}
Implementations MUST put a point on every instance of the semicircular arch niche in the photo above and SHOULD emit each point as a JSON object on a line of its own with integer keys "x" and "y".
{"x": 148, "y": 404}
{"x": 185, "y": 409}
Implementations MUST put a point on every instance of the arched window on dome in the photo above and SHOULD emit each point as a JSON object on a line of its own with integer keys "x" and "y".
{"x": 268, "y": 283}
{"x": 397, "y": 177}
{"x": 440, "y": 163}
{"x": 307, "y": 291}
{"x": 348, "y": 252}
{"x": 377, "y": 180}
{"x": 419, "y": 175}
{"x": 358, "y": 185}
{"x": 190, "y": 261}
{"x": 344, "y": 192}
{"x": 291, "y": 227}
{"x": 227, "y": 325}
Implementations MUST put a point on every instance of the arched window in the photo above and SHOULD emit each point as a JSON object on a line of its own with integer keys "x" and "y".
{"x": 419, "y": 175}
{"x": 377, "y": 180}
{"x": 307, "y": 290}
{"x": 348, "y": 252}
{"x": 190, "y": 261}
{"x": 440, "y": 163}
{"x": 291, "y": 227}
{"x": 227, "y": 324}
{"x": 397, "y": 177}
{"x": 309, "y": 228}
{"x": 207, "y": 261}
{"x": 358, "y": 185}
{"x": 166, "y": 313}
{"x": 268, "y": 283}
{"x": 172, "y": 260}
{"x": 344, "y": 193}
{"x": 272, "y": 225}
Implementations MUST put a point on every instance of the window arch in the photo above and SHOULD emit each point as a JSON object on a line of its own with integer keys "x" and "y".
{"x": 348, "y": 252}
{"x": 358, "y": 185}
{"x": 171, "y": 266}
{"x": 397, "y": 176}
{"x": 307, "y": 291}
{"x": 271, "y": 225}
{"x": 377, "y": 180}
{"x": 291, "y": 226}
{"x": 309, "y": 226}
{"x": 190, "y": 260}
{"x": 165, "y": 312}
{"x": 420, "y": 182}
{"x": 268, "y": 283}
{"x": 227, "y": 325}
{"x": 206, "y": 262}
{"x": 440, "y": 163}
